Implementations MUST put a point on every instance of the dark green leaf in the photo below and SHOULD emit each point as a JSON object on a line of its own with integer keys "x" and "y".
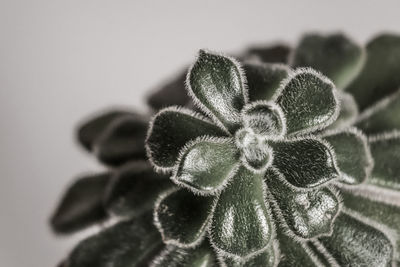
{"x": 348, "y": 111}
{"x": 353, "y": 155}
{"x": 183, "y": 217}
{"x": 354, "y": 243}
{"x": 294, "y": 254}
{"x": 241, "y": 224}
{"x": 264, "y": 118}
{"x": 308, "y": 101}
{"x": 376, "y": 210}
{"x": 171, "y": 129}
{"x": 380, "y": 75}
{"x": 122, "y": 141}
{"x": 126, "y": 244}
{"x": 386, "y": 153}
{"x": 336, "y": 56}
{"x": 382, "y": 117}
{"x": 90, "y": 130}
{"x": 217, "y": 85}
{"x": 307, "y": 213}
{"x": 267, "y": 258}
{"x": 304, "y": 162}
{"x": 264, "y": 79}
{"x": 81, "y": 205}
{"x": 206, "y": 165}
{"x": 134, "y": 189}
{"x": 274, "y": 54}
{"x": 171, "y": 93}
{"x": 172, "y": 256}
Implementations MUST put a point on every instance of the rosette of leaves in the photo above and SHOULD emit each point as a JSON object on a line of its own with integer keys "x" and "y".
{"x": 258, "y": 177}
{"x": 366, "y": 227}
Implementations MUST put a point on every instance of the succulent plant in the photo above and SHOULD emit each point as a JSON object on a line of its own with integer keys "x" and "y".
{"x": 289, "y": 165}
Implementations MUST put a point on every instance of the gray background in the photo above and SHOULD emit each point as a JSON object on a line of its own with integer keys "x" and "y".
{"x": 62, "y": 60}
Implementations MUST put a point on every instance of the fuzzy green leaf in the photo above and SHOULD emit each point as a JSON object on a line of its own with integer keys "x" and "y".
{"x": 122, "y": 141}
{"x": 267, "y": 258}
{"x": 81, "y": 205}
{"x": 308, "y": 101}
{"x": 241, "y": 223}
{"x": 380, "y": 75}
{"x": 206, "y": 165}
{"x": 353, "y": 155}
{"x": 134, "y": 189}
{"x": 382, "y": 117}
{"x": 170, "y": 130}
{"x": 307, "y": 213}
{"x": 354, "y": 243}
{"x": 293, "y": 254}
{"x": 278, "y": 53}
{"x": 377, "y": 211}
{"x": 172, "y": 256}
{"x": 336, "y": 56}
{"x": 264, "y": 118}
{"x": 304, "y": 163}
{"x": 386, "y": 153}
{"x": 183, "y": 217}
{"x": 264, "y": 79}
{"x": 89, "y": 131}
{"x": 217, "y": 86}
{"x": 126, "y": 244}
{"x": 348, "y": 111}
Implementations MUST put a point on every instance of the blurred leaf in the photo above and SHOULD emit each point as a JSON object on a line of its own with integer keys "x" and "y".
{"x": 134, "y": 189}
{"x": 125, "y": 244}
{"x": 170, "y": 94}
{"x": 264, "y": 79}
{"x": 336, "y": 56}
{"x": 122, "y": 141}
{"x": 90, "y": 130}
{"x": 81, "y": 205}
{"x": 278, "y": 53}
{"x": 380, "y": 75}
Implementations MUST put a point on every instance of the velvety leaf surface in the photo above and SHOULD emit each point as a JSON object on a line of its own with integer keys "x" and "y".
{"x": 81, "y": 205}
{"x": 206, "y": 165}
{"x": 241, "y": 222}
{"x": 354, "y": 243}
{"x": 348, "y": 111}
{"x": 126, "y": 244}
{"x": 293, "y": 254}
{"x": 386, "y": 153}
{"x": 378, "y": 211}
{"x": 380, "y": 74}
{"x": 307, "y": 213}
{"x": 273, "y": 54}
{"x": 336, "y": 56}
{"x": 382, "y": 117}
{"x": 353, "y": 155}
{"x": 122, "y": 141}
{"x": 264, "y": 79}
{"x": 172, "y": 256}
{"x": 171, "y": 130}
{"x": 304, "y": 162}
{"x": 267, "y": 258}
{"x": 90, "y": 130}
{"x": 217, "y": 85}
{"x": 308, "y": 101}
{"x": 134, "y": 189}
{"x": 182, "y": 217}
{"x": 264, "y": 118}
{"x": 171, "y": 93}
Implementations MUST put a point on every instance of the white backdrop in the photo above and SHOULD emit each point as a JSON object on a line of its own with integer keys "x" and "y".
{"x": 61, "y": 60}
